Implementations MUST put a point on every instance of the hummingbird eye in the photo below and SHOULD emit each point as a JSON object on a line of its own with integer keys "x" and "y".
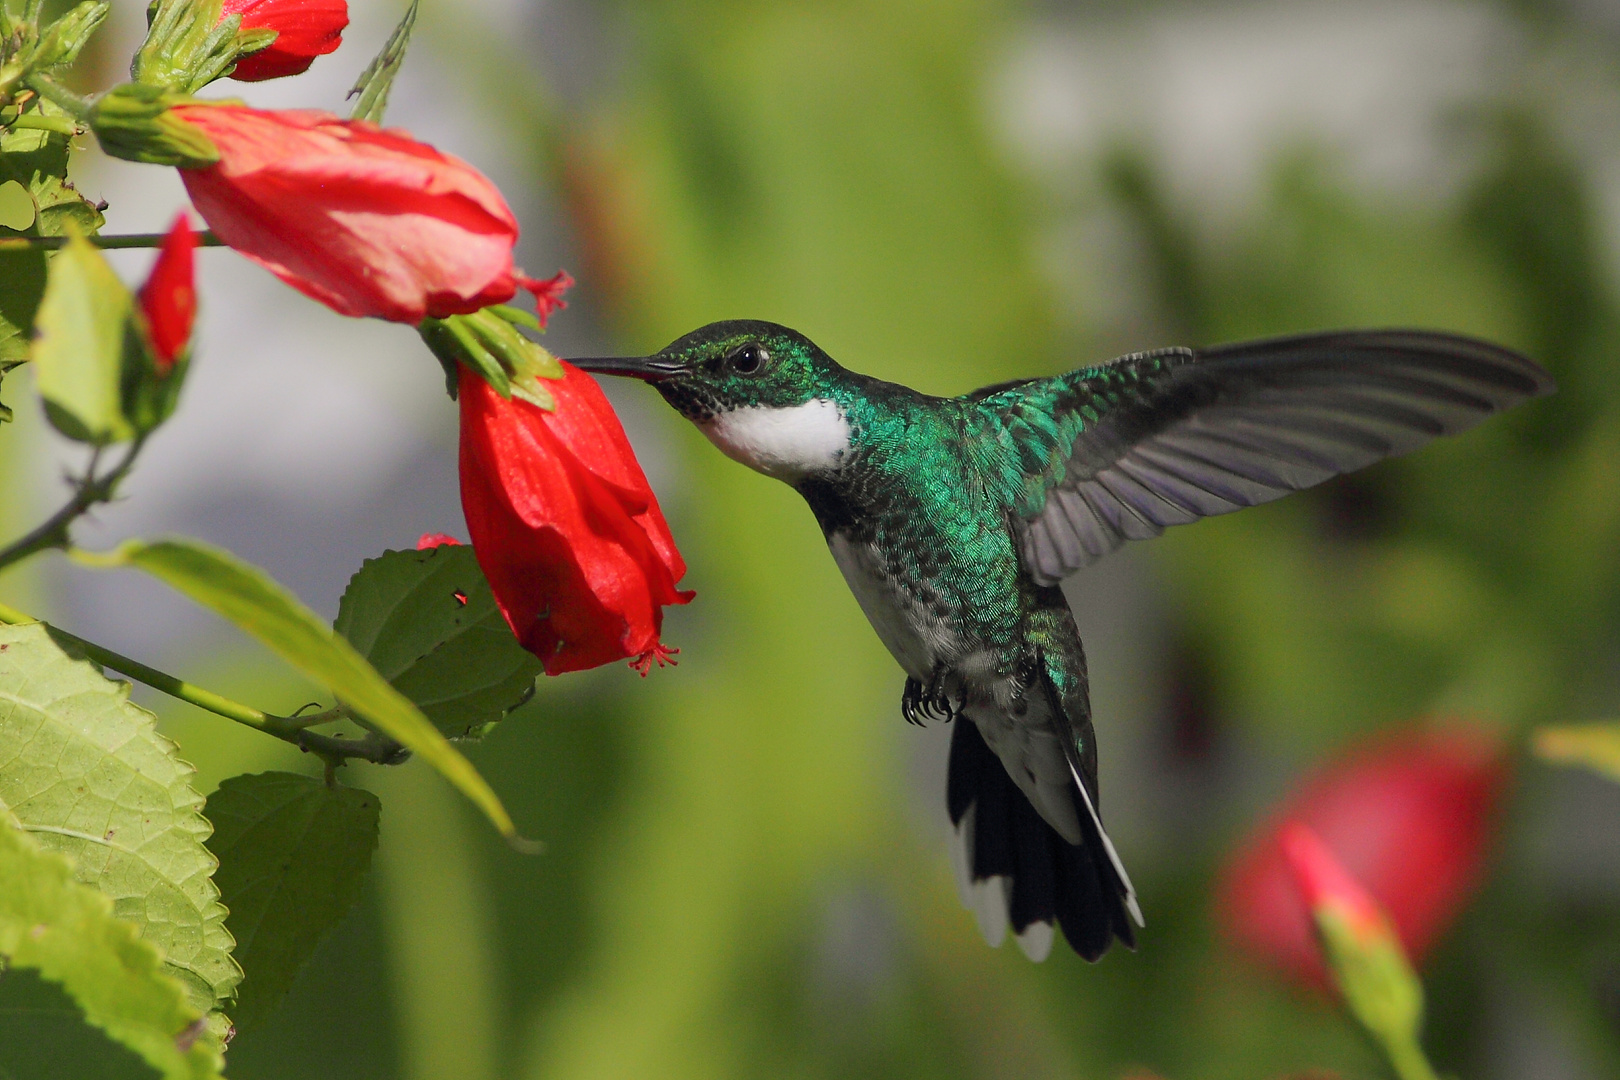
{"x": 749, "y": 359}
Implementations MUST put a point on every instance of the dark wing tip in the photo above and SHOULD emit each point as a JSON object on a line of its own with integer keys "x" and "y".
{"x": 1517, "y": 376}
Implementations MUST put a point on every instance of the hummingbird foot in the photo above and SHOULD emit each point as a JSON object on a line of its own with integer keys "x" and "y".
{"x": 919, "y": 703}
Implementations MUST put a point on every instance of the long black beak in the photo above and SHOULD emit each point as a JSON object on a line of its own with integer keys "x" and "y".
{"x": 645, "y": 368}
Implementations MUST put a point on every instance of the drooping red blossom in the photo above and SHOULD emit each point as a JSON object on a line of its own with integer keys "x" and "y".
{"x": 168, "y": 300}
{"x": 565, "y": 525}
{"x": 366, "y": 220}
{"x": 304, "y": 30}
{"x": 1410, "y": 815}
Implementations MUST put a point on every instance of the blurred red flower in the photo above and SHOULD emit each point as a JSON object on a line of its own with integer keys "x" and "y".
{"x": 368, "y": 221}
{"x": 565, "y": 526}
{"x": 1410, "y": 815}
{"x": 1325, "y": 884}
{"x": 304, "y": 29}
{"x": 168, "y": 300}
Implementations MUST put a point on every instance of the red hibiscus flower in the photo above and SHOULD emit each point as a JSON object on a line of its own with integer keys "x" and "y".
{"x": 1410, "y": 815}
{"x": 565, "y": 526}
{"x": 304, "y": 30}
{"x": 168, "y": 300}
{"x": 367, "y": 221}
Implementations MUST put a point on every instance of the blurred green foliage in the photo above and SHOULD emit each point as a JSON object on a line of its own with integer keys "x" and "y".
{"x": 736, "y": 882}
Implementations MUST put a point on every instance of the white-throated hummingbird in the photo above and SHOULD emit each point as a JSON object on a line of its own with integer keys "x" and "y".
{"x": 955, "y": 519}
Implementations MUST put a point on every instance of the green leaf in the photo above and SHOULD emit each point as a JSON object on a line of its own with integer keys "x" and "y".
{"x": 86, "y": 772}
{"x": 66, "y": 931}
{"x": 245, "y": 596}
{"x": 293, "y": 852}
{"x": 44, "y": 1036}
{"x": 84, "y": 329}
{"x": 427, "y": 621}
{"x": 38, "y": 160}
{"x": 374, "y": 83}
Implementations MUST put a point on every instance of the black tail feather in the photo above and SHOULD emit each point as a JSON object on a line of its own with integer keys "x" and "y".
{"x": 1075, "y": 885}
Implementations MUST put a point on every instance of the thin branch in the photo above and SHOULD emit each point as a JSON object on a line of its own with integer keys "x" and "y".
{"x": 93, "y": 489}
{"x": 122, "y": 240}
{"x": 369, "y": 747}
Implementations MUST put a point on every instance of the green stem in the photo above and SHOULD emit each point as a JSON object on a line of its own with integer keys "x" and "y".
{"x": 35, "y": 122}
{"x": 124, "y": 240}
{"x": 60, "y": 96}
{"x": 93, "y": 489}
{"x": 1408, "y": 1060}
{"x": 370, "y": 747}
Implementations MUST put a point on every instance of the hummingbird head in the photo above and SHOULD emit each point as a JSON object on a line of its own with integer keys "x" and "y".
{"x": 766, "y": 395}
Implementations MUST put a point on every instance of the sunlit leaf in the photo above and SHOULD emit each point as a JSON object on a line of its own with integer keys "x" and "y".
{"x": 84, "y": 330}
{"x": 374, "y": 83}
{"x": 66, "y": 931}
{"x": 244, "y": 595}
{"x": 38, "y": 160}
{"x": 293, "y": 852}
{"x": 86, "y": 772}
{"x": 428, "y": 622}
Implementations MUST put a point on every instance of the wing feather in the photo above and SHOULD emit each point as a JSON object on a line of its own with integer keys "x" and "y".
{"x": 1161, "y": 439}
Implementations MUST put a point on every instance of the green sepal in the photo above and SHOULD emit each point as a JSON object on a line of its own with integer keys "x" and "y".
{"x": 133, "y": 122}
{"x": 378, "y": 78}
{"x": 61, "y": 42}
{"x": 489, "y": 343}
{"x": 188, "y": 45}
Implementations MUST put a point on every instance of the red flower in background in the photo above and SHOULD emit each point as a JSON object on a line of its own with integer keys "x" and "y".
{"x": 168, "y": 300}
{"x": 304, "y": 30}
{"x": 1325, "y": 884}
{"x": 367, "y": 221}
{"x": 565, "y": 526}
{"x": 1410, "y": 816}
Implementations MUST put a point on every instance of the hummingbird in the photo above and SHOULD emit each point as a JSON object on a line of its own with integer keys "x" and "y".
{"x": 955, "y": 519}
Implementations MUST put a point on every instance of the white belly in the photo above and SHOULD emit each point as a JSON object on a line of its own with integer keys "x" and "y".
{"x": 914, "y": 636}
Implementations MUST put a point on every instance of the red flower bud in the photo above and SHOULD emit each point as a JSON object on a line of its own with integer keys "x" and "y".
{"x": 565, "y": 526}
{"x": 367, "y": 221}
{"x": 433, "y": 540}
{"x": 168, "y": 300}
{"x": 304, "y": 30}
{"x": 1409, "y": 815}
{"x": 1327, "y": 886}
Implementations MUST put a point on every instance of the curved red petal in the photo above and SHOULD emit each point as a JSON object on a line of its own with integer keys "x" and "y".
{"x": 368, "y": 221}
{"x": 304, "y": 29}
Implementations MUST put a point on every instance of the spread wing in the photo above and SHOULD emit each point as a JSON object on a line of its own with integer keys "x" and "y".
{"x": 1119, "y": 452}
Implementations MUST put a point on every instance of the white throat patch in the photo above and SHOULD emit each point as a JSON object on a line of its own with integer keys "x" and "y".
{"x": 785, "y": 443}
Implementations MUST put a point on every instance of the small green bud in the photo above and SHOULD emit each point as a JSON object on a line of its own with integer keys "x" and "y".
{"x": 61, "y": 42}
{"x": 188, "y": 44}
{"x": 133, "y": 122}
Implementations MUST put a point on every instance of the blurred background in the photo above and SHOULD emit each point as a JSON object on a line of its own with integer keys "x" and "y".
{"x": 746, "y": 870}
